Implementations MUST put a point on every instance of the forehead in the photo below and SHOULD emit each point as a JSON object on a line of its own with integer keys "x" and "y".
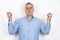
{"x": 28, "y": 5}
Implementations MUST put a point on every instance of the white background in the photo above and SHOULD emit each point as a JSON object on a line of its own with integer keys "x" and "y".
{"x": 42, "y": 7}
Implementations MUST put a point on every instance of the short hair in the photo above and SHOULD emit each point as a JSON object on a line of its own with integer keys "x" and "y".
{"x": 29, "y": 3}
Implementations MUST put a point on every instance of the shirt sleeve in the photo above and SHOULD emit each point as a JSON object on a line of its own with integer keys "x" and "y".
{"x": 45, "y": 29}
{"x": 13, "y": 28}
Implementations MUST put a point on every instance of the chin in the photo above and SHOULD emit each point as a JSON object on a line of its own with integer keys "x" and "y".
{"x": 28, "y": 15}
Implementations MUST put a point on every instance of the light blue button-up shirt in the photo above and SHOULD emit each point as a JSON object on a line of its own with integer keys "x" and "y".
{"x": 28, "y": 29}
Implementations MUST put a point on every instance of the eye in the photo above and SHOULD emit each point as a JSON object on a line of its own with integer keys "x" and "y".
{"x": 26, "y": 7}
{"x": 30, "y": 7}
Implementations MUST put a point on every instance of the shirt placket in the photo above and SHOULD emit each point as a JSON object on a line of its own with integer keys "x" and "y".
{"x": 28, "y": 30}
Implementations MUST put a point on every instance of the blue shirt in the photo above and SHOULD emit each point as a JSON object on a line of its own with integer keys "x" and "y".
{"x": 28, "y": 29}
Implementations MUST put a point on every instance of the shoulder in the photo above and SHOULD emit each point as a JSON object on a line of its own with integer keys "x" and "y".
{"x": 20, "y": 19}
{"x": 37, "y": 19}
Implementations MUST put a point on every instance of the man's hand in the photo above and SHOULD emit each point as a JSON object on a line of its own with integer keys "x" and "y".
{"x": 49, "y": 16}
{"x": 9, "y": 15}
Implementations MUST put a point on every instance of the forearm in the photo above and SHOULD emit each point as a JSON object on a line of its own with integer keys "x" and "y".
{"x": 10, "y": 27}
{"x": 46, "y": 29}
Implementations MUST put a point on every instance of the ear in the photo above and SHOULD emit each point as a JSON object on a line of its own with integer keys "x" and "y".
{"x": 33, "y": 9}
{"x": 7, "y": 13}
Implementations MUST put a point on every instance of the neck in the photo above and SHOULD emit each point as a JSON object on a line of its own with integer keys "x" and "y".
{"x": 29, "y": 17}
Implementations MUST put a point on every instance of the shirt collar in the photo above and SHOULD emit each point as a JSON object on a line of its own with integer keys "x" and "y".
{"x": 31, "y": 19}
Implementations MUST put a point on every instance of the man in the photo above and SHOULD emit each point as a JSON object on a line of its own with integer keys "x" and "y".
{"x": 28, "y": 27}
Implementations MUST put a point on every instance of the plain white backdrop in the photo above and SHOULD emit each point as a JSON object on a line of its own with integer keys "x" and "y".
{"x": 42, "y": 7}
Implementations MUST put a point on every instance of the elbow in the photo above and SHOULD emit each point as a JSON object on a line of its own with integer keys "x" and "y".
{"x": 11, "y": 33}
{"x": 47, "y": 33}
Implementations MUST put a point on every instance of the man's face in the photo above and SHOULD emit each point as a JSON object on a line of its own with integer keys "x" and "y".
{"x": 29, "y": 9}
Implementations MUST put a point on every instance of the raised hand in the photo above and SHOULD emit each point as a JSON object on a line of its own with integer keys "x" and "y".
{"x": 49, "y": 16}
{"x": 9, "y": 15}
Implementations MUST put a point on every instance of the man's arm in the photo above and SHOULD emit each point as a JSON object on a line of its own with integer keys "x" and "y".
{"x": 12, "y": 28}
{"x": 46, "y": 29}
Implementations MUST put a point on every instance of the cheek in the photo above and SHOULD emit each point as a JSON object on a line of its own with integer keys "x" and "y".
{"x": 32, "y": 10}
{"x": 26, "y": 11}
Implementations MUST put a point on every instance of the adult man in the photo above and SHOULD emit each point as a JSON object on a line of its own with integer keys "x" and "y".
{"x": 28, "y": 27}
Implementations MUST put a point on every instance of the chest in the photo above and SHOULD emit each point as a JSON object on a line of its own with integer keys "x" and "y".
{"x": 29, "y": 26}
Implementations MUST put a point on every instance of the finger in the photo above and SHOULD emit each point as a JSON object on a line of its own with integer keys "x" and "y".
{"x": 9, "y": 14}
{"x": 49, "y": 14}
